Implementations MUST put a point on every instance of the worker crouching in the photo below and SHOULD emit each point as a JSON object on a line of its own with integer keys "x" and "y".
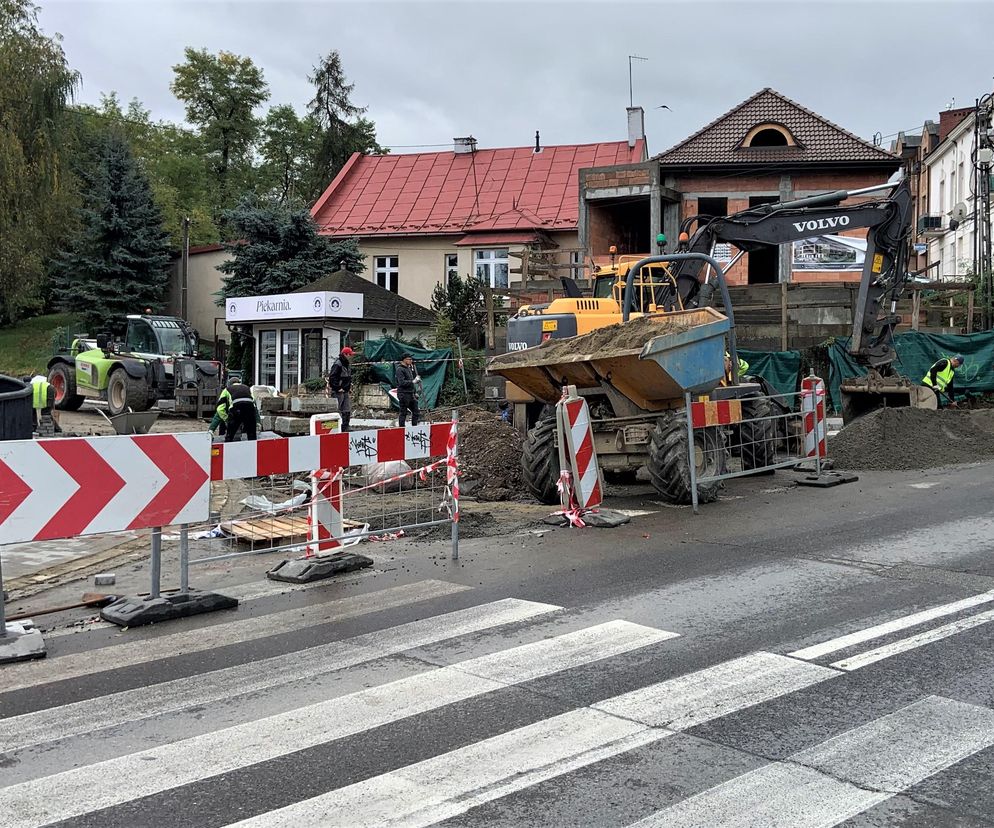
{"x": 236, "y": 411}
{"x": 941, "y": 378}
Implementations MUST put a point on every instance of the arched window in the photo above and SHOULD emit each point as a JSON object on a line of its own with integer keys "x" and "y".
{"x": 768, "y": 135}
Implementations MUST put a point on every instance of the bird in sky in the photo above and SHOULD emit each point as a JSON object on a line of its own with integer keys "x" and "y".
{"x": 663, "y": 106}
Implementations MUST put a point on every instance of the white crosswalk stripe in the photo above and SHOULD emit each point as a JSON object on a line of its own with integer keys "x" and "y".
{"x": 845, "y": 774}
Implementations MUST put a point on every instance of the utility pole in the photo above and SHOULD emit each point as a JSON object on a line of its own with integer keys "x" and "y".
{"x": 185, "y": 268}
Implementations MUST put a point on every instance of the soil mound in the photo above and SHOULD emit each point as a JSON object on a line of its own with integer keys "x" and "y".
{"x": 490, "y": 456}
{"x": 914, "y": 438}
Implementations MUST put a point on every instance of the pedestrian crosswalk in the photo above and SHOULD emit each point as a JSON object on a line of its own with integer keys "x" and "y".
{"x": 456, "y": 712}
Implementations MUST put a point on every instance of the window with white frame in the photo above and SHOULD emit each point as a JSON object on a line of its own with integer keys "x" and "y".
{"x": 491, "y": 266}
{"x": 386, "y": 270}
{"x": 451, "y": 266}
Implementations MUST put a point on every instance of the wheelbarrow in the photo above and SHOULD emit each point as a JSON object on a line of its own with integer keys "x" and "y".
{"x": 132, "y": 422}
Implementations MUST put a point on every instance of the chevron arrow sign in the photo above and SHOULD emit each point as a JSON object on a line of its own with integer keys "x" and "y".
{"x": 63, "y": 488}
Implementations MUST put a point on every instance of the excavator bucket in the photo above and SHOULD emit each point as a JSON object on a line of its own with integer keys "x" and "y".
{"x": 861, "y": 395}
{"x": 651, "y": 360}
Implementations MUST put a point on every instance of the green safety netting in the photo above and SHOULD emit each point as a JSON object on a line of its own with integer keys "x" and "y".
{"x": 384, "y": 354}
{"x": 781, "y": 369}
{"x": 916, "y": 353}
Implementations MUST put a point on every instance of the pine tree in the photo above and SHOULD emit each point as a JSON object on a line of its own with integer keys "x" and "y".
{"x": 118, "y": 264}
{"x": 279, "y": 250}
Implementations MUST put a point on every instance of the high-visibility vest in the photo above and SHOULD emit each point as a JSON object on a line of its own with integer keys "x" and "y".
{"x": 223, "y": 401}
{"x": 942, "y": 378}
{"x": 39, "y": 392}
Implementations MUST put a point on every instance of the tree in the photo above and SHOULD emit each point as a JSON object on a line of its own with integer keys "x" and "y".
{"x": 279, "y": 250}
{"x": 36, "y": 197}
{"x": 462, "y": 302}
{"x": 287, "y": 148}
{"x": 221, "y": 93}
{"x": 118, "y": 264}
{"x": 342, "y": 129}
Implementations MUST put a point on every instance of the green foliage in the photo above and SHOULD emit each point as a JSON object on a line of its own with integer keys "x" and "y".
{"x": 118, "y": 262}
{"x": 462, "y": 302}
{"x": 221, "y": 93}
{"x": 453, "y": 392}
{"x": 288, "y": 147}
{"x": 26, "y": 346}
{"x": 341, "y": 128}
{"x": 279, "y": 250}
{"x": 36, "y": 197}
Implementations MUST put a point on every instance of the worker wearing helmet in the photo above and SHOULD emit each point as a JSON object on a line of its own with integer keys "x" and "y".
{"x": 940, "y": 378}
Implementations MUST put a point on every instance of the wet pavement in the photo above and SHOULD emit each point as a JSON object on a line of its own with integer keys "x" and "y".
{"x": 789, "y": 657}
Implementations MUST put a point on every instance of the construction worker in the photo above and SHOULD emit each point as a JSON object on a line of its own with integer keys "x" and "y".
{"x": 407, "y": 394}
{"x": 238, "y": 411}
{"x": 219, "y": 423}
{"x": 940, "y": 378}
{"x": 42, "y": 401}
{"x": 340, "y": 383}
{"x": 743, "y": 368}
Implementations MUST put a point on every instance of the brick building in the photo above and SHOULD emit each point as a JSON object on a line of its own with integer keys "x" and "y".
{"x": 767, "y": 148}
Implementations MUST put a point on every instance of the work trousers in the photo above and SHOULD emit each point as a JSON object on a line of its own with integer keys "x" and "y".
{"x": 408, "y": 402}
{"x": 240, "y": 416}
{"x": 344, "y": 408}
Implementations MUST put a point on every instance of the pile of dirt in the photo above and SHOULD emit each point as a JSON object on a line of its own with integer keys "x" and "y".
{"x": 490, "y": 456}
{"x": 913, "y": 438}
{"x": 627, "y": 337}
{"x": 471, "y": 525}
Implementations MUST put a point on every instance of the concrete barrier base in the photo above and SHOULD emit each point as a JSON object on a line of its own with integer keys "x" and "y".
{"x": 21, "y": 643}
{"x": 826, "y": 480}
{"x": 304, "y": 570}
{"x": 137, "y": 612}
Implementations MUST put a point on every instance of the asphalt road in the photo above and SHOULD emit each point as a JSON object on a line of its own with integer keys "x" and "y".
{"x": 787, "y": 658}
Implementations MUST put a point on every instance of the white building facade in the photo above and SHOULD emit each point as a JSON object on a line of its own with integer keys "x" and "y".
{"x": 949, "y": 225}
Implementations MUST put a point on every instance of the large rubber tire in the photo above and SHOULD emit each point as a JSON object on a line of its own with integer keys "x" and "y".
{"x": 669, "y": 466}
{"x": 540, "y": 462}
{"x": 62, "y": 378}
{"x": 757, "y": 438}
{"x": 124, "y": 392}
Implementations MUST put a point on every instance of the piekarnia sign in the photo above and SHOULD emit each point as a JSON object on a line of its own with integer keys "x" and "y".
{"x": 319, "y": 305}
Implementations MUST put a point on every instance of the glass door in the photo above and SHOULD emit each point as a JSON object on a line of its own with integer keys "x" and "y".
{"x": 313, "y": 351}
{"x": 267, "y": 358}
{"x": 290, "y": 368}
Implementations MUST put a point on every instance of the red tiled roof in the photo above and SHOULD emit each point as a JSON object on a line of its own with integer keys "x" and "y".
{"x": 818, "y": 139}
{"x": 514, "y": 188}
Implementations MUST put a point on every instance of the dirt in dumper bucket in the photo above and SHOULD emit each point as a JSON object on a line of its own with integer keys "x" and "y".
{"x": 913, "y": 438}
{"x": 489, "y": 456}
{"x": 623, "y": 337}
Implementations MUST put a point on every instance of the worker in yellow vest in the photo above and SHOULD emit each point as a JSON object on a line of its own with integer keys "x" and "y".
{"x": 940, "y": 378}
{"x": 743, "y": 368}
{"x": 42, "y": 400}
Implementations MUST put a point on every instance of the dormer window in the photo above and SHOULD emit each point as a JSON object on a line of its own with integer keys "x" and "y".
{"x": 763, "y": 136}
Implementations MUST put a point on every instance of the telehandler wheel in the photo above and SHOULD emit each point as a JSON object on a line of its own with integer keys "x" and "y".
{"x": 669, "y": 468}
{"x": 758, "y": 436}
{"x": 124, "y": 392}
{"x": 62, "y": 378}
{"x": 540, "y": 461}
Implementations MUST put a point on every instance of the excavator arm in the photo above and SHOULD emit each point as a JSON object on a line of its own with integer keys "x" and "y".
{"x": 887, "y": 221}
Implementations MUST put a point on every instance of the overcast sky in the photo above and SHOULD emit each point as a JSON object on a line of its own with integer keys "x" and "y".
{"x": 499, "y": 71}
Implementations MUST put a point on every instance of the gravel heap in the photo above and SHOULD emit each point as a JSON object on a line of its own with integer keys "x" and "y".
{"x": 914, "y": 438}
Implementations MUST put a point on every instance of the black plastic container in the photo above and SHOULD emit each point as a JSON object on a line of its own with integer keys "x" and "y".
{"x": 16, "y": 422}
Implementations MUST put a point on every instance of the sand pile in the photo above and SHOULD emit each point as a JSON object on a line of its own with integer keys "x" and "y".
{"x": 913, "y": 438}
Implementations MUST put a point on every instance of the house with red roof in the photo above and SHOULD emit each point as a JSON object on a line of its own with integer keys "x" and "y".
{"x": 767, "y": 148}
{"x": 422, "y": 216}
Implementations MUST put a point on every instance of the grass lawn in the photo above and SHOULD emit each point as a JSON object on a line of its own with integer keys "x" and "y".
{"x": 26, "y": 347}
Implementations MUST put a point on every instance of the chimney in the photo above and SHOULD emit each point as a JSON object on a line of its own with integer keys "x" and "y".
{"x": 538, "y": 142}
{"x": 636, "y": 124}
{"x": 464, "y": 145}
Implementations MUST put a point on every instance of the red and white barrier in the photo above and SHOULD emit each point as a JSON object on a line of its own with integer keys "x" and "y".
{"x": 62, "y": 488}
{"x": 325, "y": 513}
{"x": 579, "y": 481}
{"x": 813, "y": 408}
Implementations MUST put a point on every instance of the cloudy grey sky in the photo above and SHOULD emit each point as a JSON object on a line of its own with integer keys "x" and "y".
{"x": 499, "y": 71}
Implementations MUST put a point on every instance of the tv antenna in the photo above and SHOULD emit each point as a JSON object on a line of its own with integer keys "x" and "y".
{"x": 631, "y": 97}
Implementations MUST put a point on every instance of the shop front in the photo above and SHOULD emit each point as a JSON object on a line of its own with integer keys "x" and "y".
{"x": 296, "y": 335}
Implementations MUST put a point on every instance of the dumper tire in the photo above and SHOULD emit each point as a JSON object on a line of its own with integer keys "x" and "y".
{"x": 669, "y": 465}
{"x": 757, "y": 434}
{"x": 125, "y": 392}
{"x": 540, "y": 461}
{"x": 62, "y": 378}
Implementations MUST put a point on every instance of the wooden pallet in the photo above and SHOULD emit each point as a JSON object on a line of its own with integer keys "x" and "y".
{"x": 275, "y": 527}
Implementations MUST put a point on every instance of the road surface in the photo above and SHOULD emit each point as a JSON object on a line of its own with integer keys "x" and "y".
{"x": 788, "y": 658}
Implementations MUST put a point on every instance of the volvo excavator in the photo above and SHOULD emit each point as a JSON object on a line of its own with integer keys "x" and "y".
{"x": 667, "y": 342}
